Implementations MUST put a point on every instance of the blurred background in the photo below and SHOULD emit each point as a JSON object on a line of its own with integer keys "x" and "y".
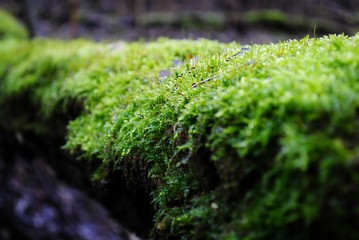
{"x": 246, "y": 21}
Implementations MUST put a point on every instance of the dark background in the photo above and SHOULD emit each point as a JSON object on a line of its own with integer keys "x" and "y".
{"x": 247, "y": 21}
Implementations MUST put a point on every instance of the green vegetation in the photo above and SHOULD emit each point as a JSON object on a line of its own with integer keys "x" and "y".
{"x": 263, "y": 146}
{"x": 189, "y": 20}
{"x": 272, "y": 19}
{"x": 10, "y": 28}
{"x": 293, "y": 22}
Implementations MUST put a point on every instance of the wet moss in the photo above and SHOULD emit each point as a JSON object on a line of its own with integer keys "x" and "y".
{"x": 232, "y": 142}
{"x": 10, "y": 28}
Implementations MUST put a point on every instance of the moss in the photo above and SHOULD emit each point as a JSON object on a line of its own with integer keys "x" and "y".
{"x": 189, "y": 20}
{"x": 274, "y": 16}
{"x": 233, "y": 142}
{"x": 41, "y": 65}
{"x": 273, "y": 19}
{"x": 10, "y": 28}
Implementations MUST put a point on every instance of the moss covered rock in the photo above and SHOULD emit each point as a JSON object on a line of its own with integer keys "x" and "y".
{"x": 10, "y": 28}
{"x": 232, "y": 142}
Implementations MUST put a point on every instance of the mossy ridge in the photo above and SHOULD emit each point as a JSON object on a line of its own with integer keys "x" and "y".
{"x": 254, "y": 87}
{"x": 297, "y": 22}
{"x": 247, "y": 119}
{"x": 42, "y": 66}
{"x": 10, "y": 28}
{"x": 126, "y": 78}
{"x": 277, "y": 121}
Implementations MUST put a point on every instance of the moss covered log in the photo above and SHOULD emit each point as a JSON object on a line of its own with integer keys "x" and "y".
{"x": 232, "y": 142}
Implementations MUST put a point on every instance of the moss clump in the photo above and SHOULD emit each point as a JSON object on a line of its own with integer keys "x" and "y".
{"x": 255, "y": 142}
{"x": 189, "y": 20}
{"x": 42, "y": 66}
{"x": 10, "y": 28}
{"x": 276, "y": 19}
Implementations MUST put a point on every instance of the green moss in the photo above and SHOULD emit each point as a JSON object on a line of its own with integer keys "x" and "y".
{"x": 189, "y": 20}
{"x": 10, "y": 28}
{"x": 274, "y": 16}
{"x": 293, "y": 22}
{"x": 256, "y": 142}
{"x": 42, "y": 66}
